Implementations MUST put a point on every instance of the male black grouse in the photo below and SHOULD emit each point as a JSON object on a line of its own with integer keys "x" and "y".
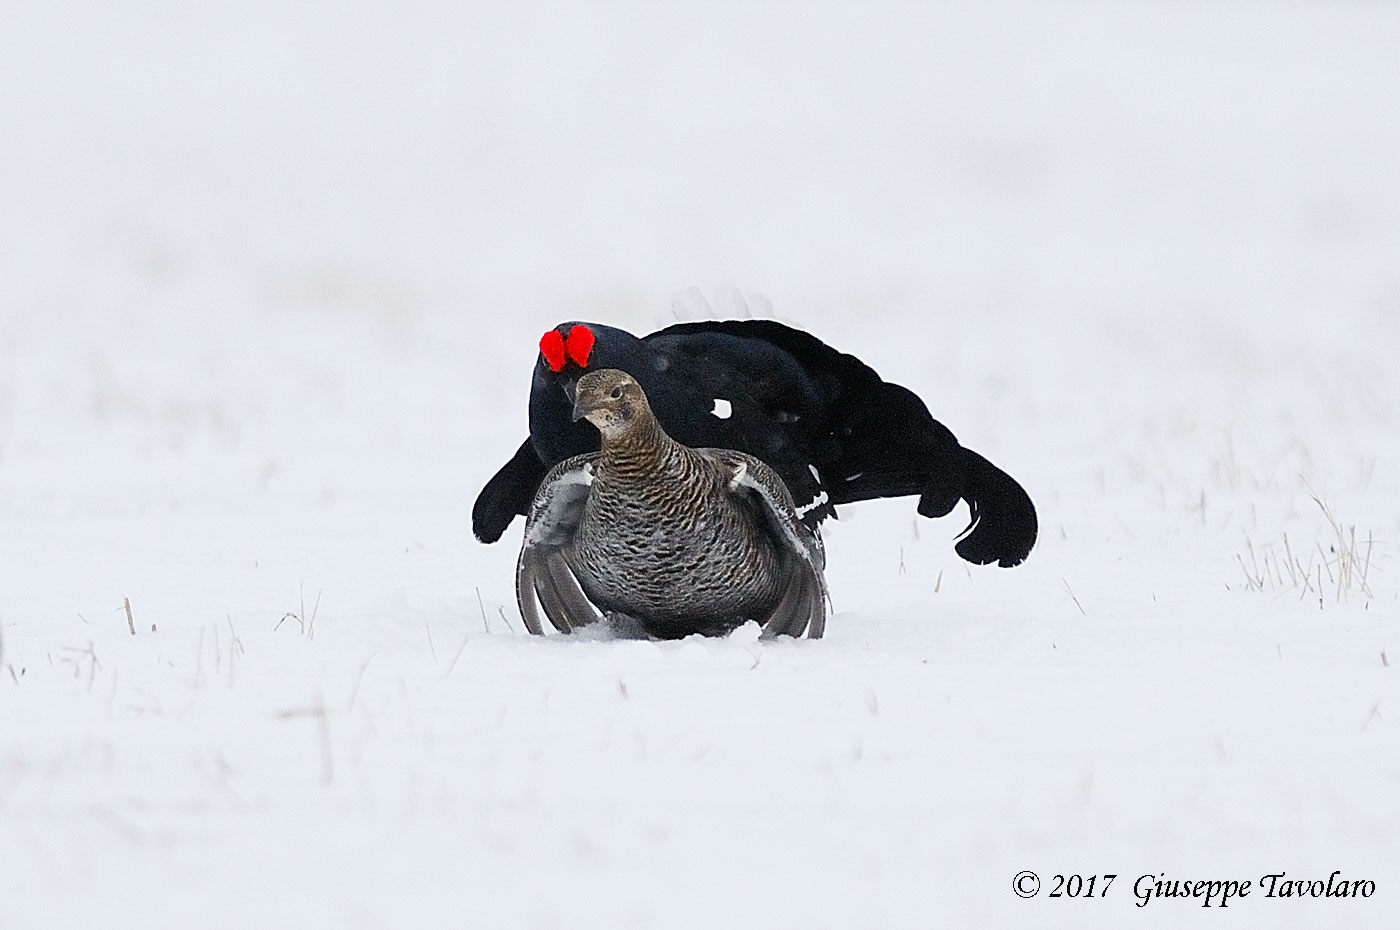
{"x": 832, "y": 429}
{"x": 678, "y": 540}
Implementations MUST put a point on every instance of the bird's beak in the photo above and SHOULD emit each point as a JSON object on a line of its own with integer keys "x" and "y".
{"x": 571, "y": 392}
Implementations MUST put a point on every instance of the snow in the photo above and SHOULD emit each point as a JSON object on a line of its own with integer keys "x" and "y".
{"x": 274, "y": 278}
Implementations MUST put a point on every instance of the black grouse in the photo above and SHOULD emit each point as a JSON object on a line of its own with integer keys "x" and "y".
{"x": 833, "y": 430}
{"x": 674, "y": 539}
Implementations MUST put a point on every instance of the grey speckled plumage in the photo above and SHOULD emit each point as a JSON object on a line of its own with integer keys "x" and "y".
{"x": 679, "y": 540}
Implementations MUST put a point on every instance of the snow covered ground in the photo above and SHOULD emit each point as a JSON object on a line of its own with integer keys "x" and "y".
{"x": 270, "y": 284}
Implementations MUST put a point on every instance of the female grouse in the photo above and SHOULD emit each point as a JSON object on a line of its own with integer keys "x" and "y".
{"x": 680, "y": 540}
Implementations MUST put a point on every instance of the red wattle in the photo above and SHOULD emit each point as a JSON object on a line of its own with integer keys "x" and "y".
{"x": 552, "y": 348}
{"x": 580, "y": 344}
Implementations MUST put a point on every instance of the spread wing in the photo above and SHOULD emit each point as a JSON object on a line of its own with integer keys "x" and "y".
{"x": 804, "y": 599}
{"x": 541, "y": 575}
{"x": 507, "y": 494}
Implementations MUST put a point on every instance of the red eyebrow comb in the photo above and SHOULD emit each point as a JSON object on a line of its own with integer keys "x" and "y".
{"x": 580, "y": 344}
{"x": 552, "y": 348}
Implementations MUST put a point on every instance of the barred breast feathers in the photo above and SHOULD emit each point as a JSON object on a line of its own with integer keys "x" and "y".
{"x": 584, "y": 550}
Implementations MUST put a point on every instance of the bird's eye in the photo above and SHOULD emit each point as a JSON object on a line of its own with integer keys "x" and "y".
{"x": 616, "y": 392}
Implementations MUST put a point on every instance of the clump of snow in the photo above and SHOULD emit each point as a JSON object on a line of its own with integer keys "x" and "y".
{"x": 747, "y": 634}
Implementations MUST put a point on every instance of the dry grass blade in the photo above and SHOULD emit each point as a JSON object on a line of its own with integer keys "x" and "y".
{"x": 1343, "y": 564}
{"x": 1075, "y": 599}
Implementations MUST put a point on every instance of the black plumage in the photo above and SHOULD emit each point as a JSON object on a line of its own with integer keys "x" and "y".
{"x": 678, "y": 540}
{"x": 833, "y": 430}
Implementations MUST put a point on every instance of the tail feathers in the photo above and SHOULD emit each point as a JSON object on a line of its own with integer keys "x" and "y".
{"x": 938, "y": 499}
{"x": 1003, "y": 527}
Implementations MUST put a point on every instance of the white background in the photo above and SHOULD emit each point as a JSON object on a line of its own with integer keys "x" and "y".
{"x": 271, "y": 281}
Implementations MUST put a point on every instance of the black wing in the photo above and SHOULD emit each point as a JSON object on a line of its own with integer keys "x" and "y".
{"x": 508, "y": 494}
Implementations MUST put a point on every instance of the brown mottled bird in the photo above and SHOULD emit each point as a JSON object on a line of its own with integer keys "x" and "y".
{"x": 679, "y": 540}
